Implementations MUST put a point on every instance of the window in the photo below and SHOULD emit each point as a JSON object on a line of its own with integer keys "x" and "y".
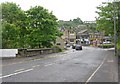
{"x": 71, "y": 40}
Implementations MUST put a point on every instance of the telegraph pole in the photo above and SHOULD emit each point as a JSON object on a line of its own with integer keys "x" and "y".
{"x": 115, "y": 32}
{"x": 114, "y": 29}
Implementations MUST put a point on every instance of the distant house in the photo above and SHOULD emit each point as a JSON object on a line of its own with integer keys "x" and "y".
{"x": 83, "y": 37}
{"x": 86, "y": 37}
{"x": 81, "y": 34}
{"x": 69, "y": 36}
{"x": 96, "y": 37}
{"x": 72, "y": 37}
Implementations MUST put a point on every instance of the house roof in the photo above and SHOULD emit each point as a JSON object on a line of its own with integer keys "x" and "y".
{"x": 83, "y": 31}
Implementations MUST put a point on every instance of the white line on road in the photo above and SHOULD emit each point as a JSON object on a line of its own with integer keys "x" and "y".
{"x": 48, "y": 64}
{"x": 95, "y": 71}
{"x": 32, "y": 60}
{"x": 16, "y": 73}
{"x": 35, "y": 66}
{"x": 19, "y": 70}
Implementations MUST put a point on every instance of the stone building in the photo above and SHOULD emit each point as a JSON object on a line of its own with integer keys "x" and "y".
{"x": 98, "y": 37}
{"x": 69, "y": 36}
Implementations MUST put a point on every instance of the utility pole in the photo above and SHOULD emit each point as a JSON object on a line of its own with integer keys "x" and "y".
{"x": 115, "y": 33}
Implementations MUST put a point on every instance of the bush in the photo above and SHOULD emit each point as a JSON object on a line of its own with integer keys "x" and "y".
{"x": 118, "y": 44}
{"x": 106, "y": 45}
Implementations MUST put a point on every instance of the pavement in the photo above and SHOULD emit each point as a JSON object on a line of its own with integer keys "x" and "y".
{"x": 108, "y": 69}
{"x": 89, "y": 65}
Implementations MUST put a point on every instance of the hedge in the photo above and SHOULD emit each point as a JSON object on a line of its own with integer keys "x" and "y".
{"x": 106, "y": 45}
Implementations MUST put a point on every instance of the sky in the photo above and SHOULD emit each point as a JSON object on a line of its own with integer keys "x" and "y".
{"x": 64, "y": 9}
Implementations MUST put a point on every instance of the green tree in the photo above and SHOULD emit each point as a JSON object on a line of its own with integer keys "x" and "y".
{"x": 32, "y": 28}
{"x": 9, "y": 35}
{"x": 118, "y": 31}
{"x": 13, "y": 19}
{"x": 71, "y": 23}
{"x": 77, "y": 21}
{"x": 42, "y": 27}
{"x": 105, "y": 21}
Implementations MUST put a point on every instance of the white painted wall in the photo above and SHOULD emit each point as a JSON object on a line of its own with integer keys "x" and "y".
{"x": 8, "y": 52}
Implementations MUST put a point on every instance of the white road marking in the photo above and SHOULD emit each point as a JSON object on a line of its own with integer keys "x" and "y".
{"x": 16, "y": 73}
{"x": 35, "y": 66}
{"x": 96, "y": 70}
{"x": 19, "y": 70}
{"x": 48, "y": 64}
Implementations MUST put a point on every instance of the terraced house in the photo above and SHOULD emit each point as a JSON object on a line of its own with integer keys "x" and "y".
{"x": 69, "y": 36}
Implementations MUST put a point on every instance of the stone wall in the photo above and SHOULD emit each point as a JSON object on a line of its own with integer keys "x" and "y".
{"x": 33, "y": 52}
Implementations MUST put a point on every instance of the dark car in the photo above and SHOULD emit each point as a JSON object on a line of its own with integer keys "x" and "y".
{"x": 67, "y": 45}
{"x": 78, "y": 47}
{"x": 73, "y": 46}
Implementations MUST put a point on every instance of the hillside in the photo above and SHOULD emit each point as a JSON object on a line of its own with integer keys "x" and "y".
{"x": 77, "y": 25}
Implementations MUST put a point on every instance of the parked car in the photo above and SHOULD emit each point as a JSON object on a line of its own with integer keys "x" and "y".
{"x": 106, "y": 42}
{"x": 73, "y": 46}
{"x": 78, "y": 47}
{"x": 67, "y": 45}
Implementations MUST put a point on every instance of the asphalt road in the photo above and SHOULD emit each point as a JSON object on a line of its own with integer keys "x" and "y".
{"x": 89, "y": 65}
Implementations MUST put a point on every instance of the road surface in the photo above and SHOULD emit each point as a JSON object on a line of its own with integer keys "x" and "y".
{"x": 89, "y": 65}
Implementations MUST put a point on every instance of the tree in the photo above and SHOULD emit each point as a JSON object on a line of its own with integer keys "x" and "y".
{"x": 71, "y": 23}
{"x": 91, "y": 27}
{"x": 12, "y": 19}
{"x": 118, "y": 31}
{"x": 42, "y": 27}
{"x": 78, "y": 21}
{"x": 32, "y": 28}
{"x": 105, "y": 21}
{"x": 9, "y": 35}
